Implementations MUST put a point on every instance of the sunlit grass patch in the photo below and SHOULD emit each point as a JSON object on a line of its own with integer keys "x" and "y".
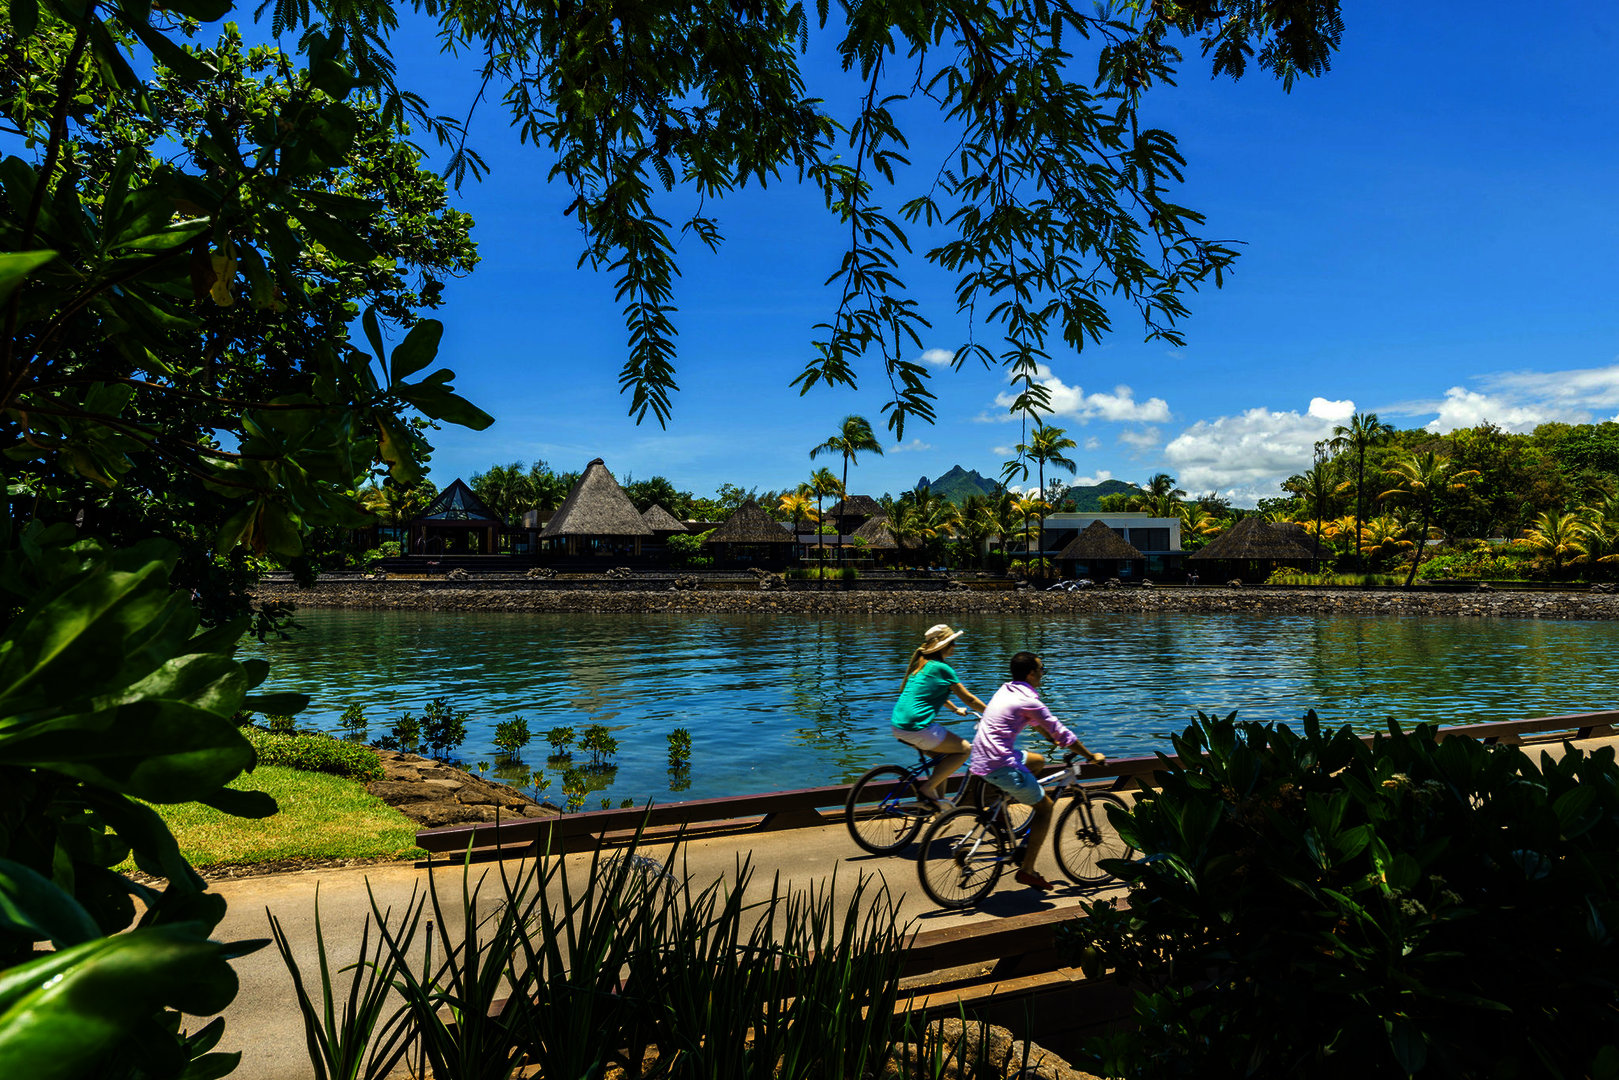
{"x": 321, "y": 817}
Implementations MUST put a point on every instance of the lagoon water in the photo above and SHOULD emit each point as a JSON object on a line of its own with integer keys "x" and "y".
{"x": 786, "y": 702}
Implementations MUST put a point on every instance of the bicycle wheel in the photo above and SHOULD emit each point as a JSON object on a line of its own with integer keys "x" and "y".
{"x": 962, "y": 855}
{"x": 980, "y": 794}
{"x": 886, "y": 824}
{"x": 1085, "y": 837}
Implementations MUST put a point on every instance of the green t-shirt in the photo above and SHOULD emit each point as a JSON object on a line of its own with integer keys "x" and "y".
{"x": 922, "y": 695}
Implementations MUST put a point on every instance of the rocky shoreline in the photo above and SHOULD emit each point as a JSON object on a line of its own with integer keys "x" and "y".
{"x": 473, "y": 595}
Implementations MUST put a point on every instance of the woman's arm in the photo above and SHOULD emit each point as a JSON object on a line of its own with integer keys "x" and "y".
{"x": 965, "y": 695}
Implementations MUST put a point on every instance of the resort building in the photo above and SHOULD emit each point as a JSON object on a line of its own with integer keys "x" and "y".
{"x": 596, "y": 519}
{"x": 1156, "y": 541}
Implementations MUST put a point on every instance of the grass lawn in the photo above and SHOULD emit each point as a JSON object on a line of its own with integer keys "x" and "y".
{"x": 321, "y": 817}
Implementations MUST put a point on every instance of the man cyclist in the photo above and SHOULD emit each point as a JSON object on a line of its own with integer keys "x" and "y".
{"x": 1015, "y": 706}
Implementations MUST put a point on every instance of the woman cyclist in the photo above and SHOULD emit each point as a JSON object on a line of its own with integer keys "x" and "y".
{"x": 929, "y": 682}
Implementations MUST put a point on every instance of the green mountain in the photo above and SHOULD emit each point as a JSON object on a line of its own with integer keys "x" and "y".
{"x": 957, "y": 484}
{"x": 1087, "y": 499}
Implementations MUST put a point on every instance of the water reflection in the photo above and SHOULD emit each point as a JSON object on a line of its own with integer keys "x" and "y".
{"x": 782, "y": 702}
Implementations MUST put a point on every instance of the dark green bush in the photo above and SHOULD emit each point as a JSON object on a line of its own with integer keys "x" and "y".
{"x": 315, "y": 753}
{"x": 1313, "y": 906}
{"x": 512, "y": 735}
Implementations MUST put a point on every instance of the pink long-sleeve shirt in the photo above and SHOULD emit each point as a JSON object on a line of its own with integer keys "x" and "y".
{"x": 1014, "y": 707}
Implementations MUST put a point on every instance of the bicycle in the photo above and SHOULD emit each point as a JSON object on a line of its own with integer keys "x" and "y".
{"x": 965, "y": 850}
{"x": 899, "y": 814}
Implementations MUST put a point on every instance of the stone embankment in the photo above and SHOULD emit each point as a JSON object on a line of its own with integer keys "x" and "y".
{"x": 554, "y": 596}
{"x": 433, "y": 794}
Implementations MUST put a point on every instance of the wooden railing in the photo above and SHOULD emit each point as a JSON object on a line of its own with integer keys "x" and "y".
{"x": 801, "y": 808}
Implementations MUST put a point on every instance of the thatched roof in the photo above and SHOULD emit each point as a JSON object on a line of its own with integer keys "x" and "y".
{"x": 876, "y": 534}
{"x": 1097, "y": 542}
{"x": 856, "y": 506}
{"x": 660, "y": 520}
{"x": 750, "y": 525}
{"x": 596, "y": 506}
{"x": 1253, "y": 538}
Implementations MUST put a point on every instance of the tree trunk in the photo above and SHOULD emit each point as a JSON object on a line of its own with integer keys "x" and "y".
{"x": 1422, "y": 546}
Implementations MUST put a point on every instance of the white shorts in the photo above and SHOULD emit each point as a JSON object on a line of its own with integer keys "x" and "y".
{"x": 924, "y": 739}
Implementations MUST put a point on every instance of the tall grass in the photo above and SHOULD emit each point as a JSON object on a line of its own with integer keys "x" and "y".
{"x": 629, "y": 969}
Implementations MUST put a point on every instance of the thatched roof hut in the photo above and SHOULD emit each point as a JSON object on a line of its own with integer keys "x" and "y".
{"x": 660, "y": 520}
{"x": 1099, "y": 543}
{"x": 750, "y": 525}
{"x": 876, "y": 535}
{"x": 1253, "y": 539}
{"x": 596, "y": 506}
{"x": 853, "y": 506}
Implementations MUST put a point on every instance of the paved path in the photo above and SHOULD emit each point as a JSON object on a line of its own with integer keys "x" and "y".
{"x": 264, "y": 1022}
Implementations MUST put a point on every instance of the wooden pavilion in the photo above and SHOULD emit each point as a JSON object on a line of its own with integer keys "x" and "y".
{"x": 596, "y": 519}
{"x": 1100, "y": 552}
{"x": 1250, "y": 550}
{"x": 751, "y": 537}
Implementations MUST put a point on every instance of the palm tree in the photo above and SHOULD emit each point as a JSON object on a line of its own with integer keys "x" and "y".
{"x": 796, "y": 506}
{"x": 1363, "y": 431}
{"x": 1047, "y": 445}
{"x": 854, "y": 437}
{"x": 1198, "y": 526}
{"x": 1601, "y": 524}
{"x": 1384, "y": 535}
{"x": 1161, "y": 497}
{"x": 823, "y": 483}
{"x": 975, "y": 524}
{"x": 1559, "y": 535}
{"x": 1421, "y": 479}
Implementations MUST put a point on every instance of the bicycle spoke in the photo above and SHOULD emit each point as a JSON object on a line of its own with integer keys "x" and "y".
{"x": 963, "y": 853}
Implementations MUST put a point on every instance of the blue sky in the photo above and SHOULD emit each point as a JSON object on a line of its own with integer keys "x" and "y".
{"x": 1429, "y": 233}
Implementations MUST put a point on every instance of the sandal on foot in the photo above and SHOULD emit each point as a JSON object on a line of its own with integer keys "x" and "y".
{"x": 932, "y": 801}
{"x": 1033, "y": 880}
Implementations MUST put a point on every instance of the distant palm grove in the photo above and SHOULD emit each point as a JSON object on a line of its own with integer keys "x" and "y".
{"x": 1476, "y": 503}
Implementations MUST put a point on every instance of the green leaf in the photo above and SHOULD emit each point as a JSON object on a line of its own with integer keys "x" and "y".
{"x": 61, "y": 1016}
{"x": 24, "y": 17}
{"x": 15, "y": 266}
{"x": 160, "y": 751}
{"x": 242, "y": 804}
{"x": 283, "y": 703}
{"x": 33, "y": 904}
{"x": 419, "y": 349}
{"x": 170, "y": 55}
{"x": 1403, "y": 872}
{"x": 203, "y": 10}
{"x": 1409, "y": 1044}
{"x": 435, "y": 401}
{"x": 336, "y": 236}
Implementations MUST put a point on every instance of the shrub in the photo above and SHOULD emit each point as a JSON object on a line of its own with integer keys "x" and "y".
{"x": 353, "y": 724}
{"x": 315, "y": 753}
{"x": 512, "y": 735}
{"x": 443, "y": 728}
{"x": 405, "y": 735}
{"x": 601, "y": 744}
{"x": 679, "y": 747}
{"x": 1314, "y": 906}
{"x": 279, "y": 723}
{"x": 560, "y": 738}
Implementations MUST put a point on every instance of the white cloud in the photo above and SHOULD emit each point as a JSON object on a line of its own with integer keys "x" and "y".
{"x": 1093, "y": 443}
{"x": 1145, "y": 439}
{"x": 1245, "y": 457}
{"x": 1091, "y": 481}
{"x": 906, "y": 448}
{"x": 1004, "y": 451}
{"x": 1071, "y": 402}
{"x": 938, "y": 358}
{"x": 1464, "y": 408}
{"x": 1521, "y": 400}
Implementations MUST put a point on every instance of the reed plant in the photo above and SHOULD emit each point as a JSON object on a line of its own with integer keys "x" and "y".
{"x": 582, "y": 968}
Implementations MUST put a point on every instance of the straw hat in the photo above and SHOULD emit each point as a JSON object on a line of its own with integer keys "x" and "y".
{"x": 938, "y": 637}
